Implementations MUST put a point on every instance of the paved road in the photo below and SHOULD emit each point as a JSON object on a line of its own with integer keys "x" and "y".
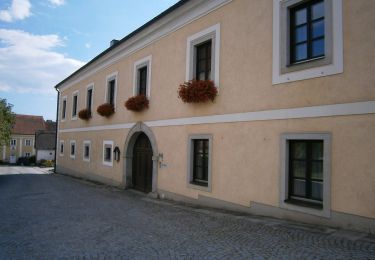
{"x": 48, "y": 216}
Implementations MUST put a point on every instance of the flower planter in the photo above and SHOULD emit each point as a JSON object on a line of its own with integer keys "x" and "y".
{"x": 137, "y": 103}
{"x": 197, "y": 91}
{"x": 84, "y": 114}
{"x": 106, "y": 110}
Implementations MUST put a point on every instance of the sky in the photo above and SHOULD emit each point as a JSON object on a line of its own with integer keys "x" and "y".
{"x": 44, "y": 41}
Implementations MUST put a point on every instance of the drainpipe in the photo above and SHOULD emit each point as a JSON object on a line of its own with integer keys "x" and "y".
{"x": 57, "y": 127}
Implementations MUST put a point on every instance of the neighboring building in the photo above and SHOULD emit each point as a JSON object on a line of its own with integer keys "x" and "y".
{"x": 45, "y": 143}
{"x": 23, "y": 138}
{"x": 291, "y": 133}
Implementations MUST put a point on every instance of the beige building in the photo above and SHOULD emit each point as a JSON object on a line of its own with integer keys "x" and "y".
{"x": 290, "y": 134}
{"x": 22, "y": 138}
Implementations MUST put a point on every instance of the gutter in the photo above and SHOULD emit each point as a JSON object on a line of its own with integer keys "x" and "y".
{"x": 57, "y": 127}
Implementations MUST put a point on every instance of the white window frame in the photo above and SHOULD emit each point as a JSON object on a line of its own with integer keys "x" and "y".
{"x": 112, "y": 76}
{"x": 86, "y": 143}
{"x": 330, "y": 65}
{"x": 211, "y": 33}
{"x": 284, "y": 176}
{"x": 75, "y": 93}
{"x": 107, "y": 143}
{"x": 144, "y": 62}
{"x": 13, "y": 141}
{"x": 27, "y": 154}
{"x": 73, "y": 156}
{"x": 90, "y": 86}
{"x": 64, "y": 98}
{"x": 28, "y": 140}
{"x": 63, "y": 144}
{"x": 190, "y": 155}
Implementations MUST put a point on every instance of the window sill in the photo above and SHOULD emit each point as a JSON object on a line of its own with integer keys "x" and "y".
{"x": 302, "y": 203}
{"x": 202, "y": 184}
{"x": 305, "y": 61}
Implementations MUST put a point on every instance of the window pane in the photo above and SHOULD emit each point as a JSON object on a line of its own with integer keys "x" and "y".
{"x": 300, "y": 16}
{"x": 317, "y": 170}
{"x": 198, "y": 160}
{"x": 199, "y": 146}
{"x": 300, "y": 52}
{"x": 317, "y": 150}
{"x": 301, "y": 34}
{"x": 318, "y": 48}
{"x": 107, "y": 153}
{"x": 318, "y": 29}
{"x": 317, "y": 190}
{"x": 299, "y": 188}
{"x": 198, "y": 173}
{"x": 317, "y": 10}
{"x": 299, "y": 150}
{"x": 299, "y": 169}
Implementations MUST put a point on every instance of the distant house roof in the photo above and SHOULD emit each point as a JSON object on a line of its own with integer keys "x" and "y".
{"x": 27, "y": 124}
{"x": 45, "y": 140}
{"x": 50, "y": 125}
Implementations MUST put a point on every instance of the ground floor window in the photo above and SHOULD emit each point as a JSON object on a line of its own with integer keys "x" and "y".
{"x": 27, "y": 154}
{"x": 107, "y": 153}
{"x": 305, "y": 173}
{"x": 200, "y": 161}
{"x": 86, "y": 150}
{"x": 61, "y": 148}
{"x": 73, "y": 149}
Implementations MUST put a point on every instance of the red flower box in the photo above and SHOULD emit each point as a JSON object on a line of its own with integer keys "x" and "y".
{"x": 137, "y": 103}
{"x": 197, "y": 91}
{"x": 106, "y": 110}
{"x": 84, "y": 114}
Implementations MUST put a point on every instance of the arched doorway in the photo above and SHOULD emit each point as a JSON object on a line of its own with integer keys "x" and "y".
{"x": 140, "y": 145}
{"x": 142, "y": 164}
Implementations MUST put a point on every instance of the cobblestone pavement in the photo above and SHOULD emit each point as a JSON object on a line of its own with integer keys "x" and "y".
{"x": 53, "y": 216}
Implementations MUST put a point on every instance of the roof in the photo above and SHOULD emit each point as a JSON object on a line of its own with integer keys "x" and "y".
{"x": 45, "y": 140}
{"x": 50, "y": 125}
{"x": 143, "y": 27}
{"x": 28, "y": 124}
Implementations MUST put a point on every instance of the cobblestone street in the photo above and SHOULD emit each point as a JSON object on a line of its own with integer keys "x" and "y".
{"x": 48, "y": 216}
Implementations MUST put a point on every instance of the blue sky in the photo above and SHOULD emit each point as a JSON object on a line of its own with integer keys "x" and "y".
{"x": 43, "y": 41}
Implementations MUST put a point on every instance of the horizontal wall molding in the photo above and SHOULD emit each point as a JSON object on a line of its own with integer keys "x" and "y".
{"x": 358, "y": 108}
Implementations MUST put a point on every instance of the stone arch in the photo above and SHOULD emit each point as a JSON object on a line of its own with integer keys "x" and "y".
{"x": 134, "y": 132}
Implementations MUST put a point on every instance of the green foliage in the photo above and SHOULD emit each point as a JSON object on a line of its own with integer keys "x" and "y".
{"x": 7, "y": 120}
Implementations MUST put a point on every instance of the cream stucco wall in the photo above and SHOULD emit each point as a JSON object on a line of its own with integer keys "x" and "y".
{"x": 20, "y": 149}
{"x": 246, "y": 155}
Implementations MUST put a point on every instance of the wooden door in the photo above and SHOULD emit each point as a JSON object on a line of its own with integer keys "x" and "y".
{"x": 142, "y": 164}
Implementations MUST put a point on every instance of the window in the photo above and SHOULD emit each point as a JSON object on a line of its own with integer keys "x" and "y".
{"x": 61, "y": 148}
{"x": 73, "y": 149}
{"x": 203, "y": 61}
{"x": 89, "y": 97}
{"x": 27, "y": 154}
{"x": 63, "y": 108}
{"x": 86, "y": 150}
{"x": 307, "y": 31}
{"x": 111, "y": 89}
{"x": 75, "y": 104}
{"x": 13, "y": 142}
{"x": 199, "y": 162}
{"x": 28, "y": 142}
{"x": 307, "y": 39}
{"x": 142, "y": 76}
{"x": 305, "y": 173}
{"x": 202, "y": 55}
{"x": 107, "y": 153}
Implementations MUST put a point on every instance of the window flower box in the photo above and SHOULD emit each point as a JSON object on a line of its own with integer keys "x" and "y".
{"x": 137, "y": 103}
{"x": 84, "y": 114}
{"x": 197, "y": 91}
{"x": 106, "y": 110}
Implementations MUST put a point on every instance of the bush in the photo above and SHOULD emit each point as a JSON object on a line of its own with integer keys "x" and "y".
{"x": 23, "y": 161}
{"x": 84, "y": 114}
{"x": 32, "y": 159}
{"x": 137, "y": 103}
{"x": 197, "y": 91}
{"x": 47, "y": 163}
{"x": 106, "y": 110}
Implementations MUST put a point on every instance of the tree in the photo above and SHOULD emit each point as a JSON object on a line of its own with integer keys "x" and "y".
{"x": 7, "y": 120}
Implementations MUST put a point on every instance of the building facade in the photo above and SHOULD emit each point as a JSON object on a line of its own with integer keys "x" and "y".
{"x": 290, "y": 134}
{"x": 22, "y": 141}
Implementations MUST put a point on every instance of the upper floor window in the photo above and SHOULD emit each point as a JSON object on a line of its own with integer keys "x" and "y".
{"x": 75, "y": 105}
{"x": 203, "y": 61}
{"x": 202, "y": 55}
{"x": 89, "y": 97}
{"x": 63, "y": 108}
{"x": 28, "y": 142}
{"x": 307, "y": 31}
{"x": 142, "y": 76}
{"x": 111, "y": 89}
{"x": 13, "y": 142}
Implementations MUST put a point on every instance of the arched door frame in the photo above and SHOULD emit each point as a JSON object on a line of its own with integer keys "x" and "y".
{"x": 133, "y": 134}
